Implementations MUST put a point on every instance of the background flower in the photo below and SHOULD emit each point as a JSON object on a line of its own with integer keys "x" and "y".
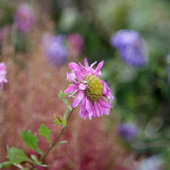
{"x": 2, "y": 74}
{"x": 24, "y": 18}
{"x": 55, "y": 49}
{"x": 128, "y": 131}
{"x": 168, "y": 70}
{"x": 152, "y": 163}
{"x": 75, "y": 44}
{"x": 130, "y": 47}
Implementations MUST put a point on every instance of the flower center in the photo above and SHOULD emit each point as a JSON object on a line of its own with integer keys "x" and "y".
{"x": 94, "y": 87}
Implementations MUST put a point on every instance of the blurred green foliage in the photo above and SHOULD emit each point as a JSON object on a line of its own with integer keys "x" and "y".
{"x": 6, "y": 13}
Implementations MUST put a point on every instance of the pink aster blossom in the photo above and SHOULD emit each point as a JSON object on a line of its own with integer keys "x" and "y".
{"x": 93, "y": 94}
{"x": 2, "y": 75}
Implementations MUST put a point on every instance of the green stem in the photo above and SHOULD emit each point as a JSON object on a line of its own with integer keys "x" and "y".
{"x": 57, "y": 138}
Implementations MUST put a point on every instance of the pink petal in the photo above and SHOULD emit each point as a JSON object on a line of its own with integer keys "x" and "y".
{"x": 99, "y": 66}
{"x": 93, "y": 64}
{"x": 101, "y": 109}
{"x": 73, "y": 93}
{"x": 78, "y": 99}
{"x": 83, "y": 112}
{"x": 71, "y": 88}
{"x": 106, "y": 111}
{"x": 97, "y": 109}
{"x": 77, "y": 70}
{"x": 104, "y": 103}
{"x": 89, "y": 108}
{"x": 104, "y": 87}
{"x": 82, "y": 86}
{"x": 86, "y": 63}
{"x": 81, "y": 65}
{"x": 71, "y": 77}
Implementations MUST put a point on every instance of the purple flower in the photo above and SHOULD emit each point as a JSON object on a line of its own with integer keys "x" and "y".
{"x": 152, "y": 163}
{"x": 168, "y": 70}
{"x": 168, "y": 58}
{"x": 130, "y": 47}
{"x": 128, "y": 131}
{"x": 93, "y": 94}
{"x": 2, "y": 74}
{"x": 75, "y": 45}
{"x": 55, "y": 49}
{"x": 24, "y": 18}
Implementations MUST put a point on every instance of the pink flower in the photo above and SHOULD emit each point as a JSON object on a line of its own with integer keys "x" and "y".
{"x": 2, "y": 74}
{"x": 24, "y": 18}
{"x": 93, "y": 94}
{"x": 75, "y": 44}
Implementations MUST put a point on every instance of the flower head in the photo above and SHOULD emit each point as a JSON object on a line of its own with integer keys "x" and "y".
{"x": 168, "y": 70}
{"x": 93, "y": 94}
{"x": 75, "y": 45}
{"x": 55, "y": 49}
{"x": 128, "y": 131}
{"x": 130, "y": 47}
{"x": 2, "y": 74}
{"x": 24, "y": 18}
{"x": 168, "y": 58}
{"x": 155, "y": 162}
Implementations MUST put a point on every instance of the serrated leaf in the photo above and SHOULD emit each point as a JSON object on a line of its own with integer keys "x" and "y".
{"x": 5, "y": 164}
{"x": 45, "y": 131}
{"x": 61, "y": 95}
{"x": 30, "y": 140}
{"x": 16, "y": 155}
{"x": 59, "y": 120}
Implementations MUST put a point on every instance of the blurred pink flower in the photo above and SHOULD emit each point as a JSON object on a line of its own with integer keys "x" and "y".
{"x": 75, "y": 45}
{"x": 2, "y": 74}
{"x": 94, "y": 95}
{"x": 24, "y": 18}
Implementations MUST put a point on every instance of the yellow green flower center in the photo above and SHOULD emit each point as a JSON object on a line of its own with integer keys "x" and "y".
{"x": 94, "y": 87}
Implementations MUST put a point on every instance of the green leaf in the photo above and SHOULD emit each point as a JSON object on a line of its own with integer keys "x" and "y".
{"x": 45, "y": 131}
{"x": 37, "y": 162}
{"x": 19, "y": 166}
{"x": 61, "y": 95}
{"x": 62, "y": 142}
{"x": 5, "y": 164}
{"x": 60, "y": 121}
{"x": 16, "y": 155}
{"x": 65, "y": 114}
{"x": 30, "y": 140}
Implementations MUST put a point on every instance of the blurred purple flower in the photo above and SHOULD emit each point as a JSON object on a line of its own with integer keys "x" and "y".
{"x": 168, "y": 70}
{"x": 55, "y": 49}
{"x": 2, "y": 74}
{"x": 24, "y": 18}
{"x": 151, "y": 163}
{"x": 75, "y": 45}
{"x": 128, "y": 131}
{"x": 130, "y": 46}
{"x": 168, "y": 58}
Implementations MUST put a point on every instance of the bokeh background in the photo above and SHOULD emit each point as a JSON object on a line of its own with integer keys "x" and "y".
{"x": 37, "y": 41}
